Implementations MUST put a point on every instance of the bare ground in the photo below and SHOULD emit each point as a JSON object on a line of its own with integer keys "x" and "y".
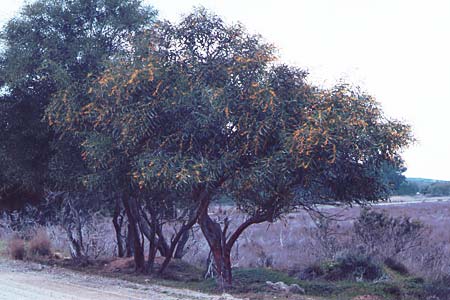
{"x": 20, "y": 281}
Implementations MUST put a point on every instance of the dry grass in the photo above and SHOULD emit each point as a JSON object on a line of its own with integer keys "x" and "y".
{"x": 295, "y": 242}
{"x": 16, "y": 248}
{"x": 40, "y": 244}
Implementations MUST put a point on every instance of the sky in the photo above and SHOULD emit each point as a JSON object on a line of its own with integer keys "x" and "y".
{"x": 396, "y": 50}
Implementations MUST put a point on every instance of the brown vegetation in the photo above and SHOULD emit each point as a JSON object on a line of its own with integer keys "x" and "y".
{"x": 40, "y": 244}
{"x": 16, "y": 248}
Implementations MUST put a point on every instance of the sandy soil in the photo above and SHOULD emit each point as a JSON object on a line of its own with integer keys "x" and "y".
{"x": 23, "y": 281}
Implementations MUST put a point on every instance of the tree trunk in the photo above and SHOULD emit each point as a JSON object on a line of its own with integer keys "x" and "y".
{"x": 179, "y": 253}
{"x": 163, "y": 246}
{"x": 129, "y": 242}
{"x": 130, "y": 206}
{"x": 175, "y": 241}
{"x": 147, "y": 228}
{"x": 219, "y": 249}
{"x": 118, "y": 228}
{"x": 76, "y": 251}
{"x": 152, "y": 250}
{"x": 219, "y": 245}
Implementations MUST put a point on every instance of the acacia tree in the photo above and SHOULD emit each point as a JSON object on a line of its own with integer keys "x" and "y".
{"x": 204, "y": 109}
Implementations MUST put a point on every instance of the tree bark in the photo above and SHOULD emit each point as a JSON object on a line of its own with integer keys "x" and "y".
{"x": 152, "y": 250}
{"x": 175, "y": 241}
{"x": 76, "y": 251}
{"x": 130, "y": 206}
{"x": 118, "y": 228}
{"x": 163, "y": 246}
{"x": 129, "y": 242}
{"x": 220, "y": 247}
{"x": 216, "y": 239}
{"x": 148, "y": 229}
{"x": 221, "y": 253}
{"x": 179, "y": 253}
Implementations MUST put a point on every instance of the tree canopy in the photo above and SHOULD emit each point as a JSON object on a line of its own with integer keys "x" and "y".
{"x": 204, "y": 108}
{"x": 100, "y": 96}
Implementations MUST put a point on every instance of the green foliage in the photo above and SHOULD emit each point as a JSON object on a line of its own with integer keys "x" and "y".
{"x": 47, "y": 47}
{"x": 352, "y": 267}
{"x": 205, "y": 103}
{"x": 347, "y": 267}
{"x": 437, "y": 189}
{"x": 170, "y": 116}
{"x": 407, "y": 188}
{"x": 427, "y": 187}
{"x": 254, "y": 280}
{"x": 24, "y": 150}
{"x": 202, "y": 108}
{"x": 53, "y": 43}
{"x": 396, "y": 266}
{"x": 393, "y": 178}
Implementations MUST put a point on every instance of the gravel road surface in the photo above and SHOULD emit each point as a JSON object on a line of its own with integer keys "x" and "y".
{"x": 30, "y": 281}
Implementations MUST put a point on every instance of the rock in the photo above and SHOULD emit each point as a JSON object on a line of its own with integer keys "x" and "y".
{"x": 283, "y": 287}
{"x": 58, "y": 255}
{"x": 296, "y": 289}
{"x": 37, "y": 267}
{"x": 278, "y": 286}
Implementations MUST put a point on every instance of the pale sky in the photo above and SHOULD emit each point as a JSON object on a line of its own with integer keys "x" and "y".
{"x": 397, "y": 50}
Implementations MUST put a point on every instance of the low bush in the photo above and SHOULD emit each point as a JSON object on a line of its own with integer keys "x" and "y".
{"x": 40, "y": 244}
{"x": 16, "y": 248}
{"x": 439, "y": 290}
{"x": 254, "y": 279}
{"x": 312, "y": 272}
{"x": 382, "y": 235}
{"x": 354, "y": 267}
{"x": 396, "y": 266}
{"x": 394, "y": 291}
{"x": 348, "y": 267}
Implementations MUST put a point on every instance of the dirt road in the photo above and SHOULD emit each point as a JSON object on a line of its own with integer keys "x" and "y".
{"x": 20, "y": 281}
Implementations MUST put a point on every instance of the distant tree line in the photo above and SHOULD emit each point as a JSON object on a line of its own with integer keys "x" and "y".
{"x": 106, "y": 109}
{"x": 424, "y": 187}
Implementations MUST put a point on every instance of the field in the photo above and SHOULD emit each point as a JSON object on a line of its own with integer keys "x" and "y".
{"x": 282, "y": 251}
{"x": 292, "y": 243}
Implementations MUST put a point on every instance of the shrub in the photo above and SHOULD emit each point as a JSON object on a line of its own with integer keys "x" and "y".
{"x": 394, "y": 291}
{"x": 352, "y": 267}
{"x": 383, "y": 236}
{"x": 312, "y": 272}
{"x": 435, "y": 290}
{"x": 348, "y": 267}
{"x": 16, "y": 248}
{"x": 40, "y": 244}
{"x": 396, "y": 266}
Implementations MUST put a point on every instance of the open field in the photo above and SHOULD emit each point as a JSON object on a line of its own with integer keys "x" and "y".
{"x": 290, "y": 245}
